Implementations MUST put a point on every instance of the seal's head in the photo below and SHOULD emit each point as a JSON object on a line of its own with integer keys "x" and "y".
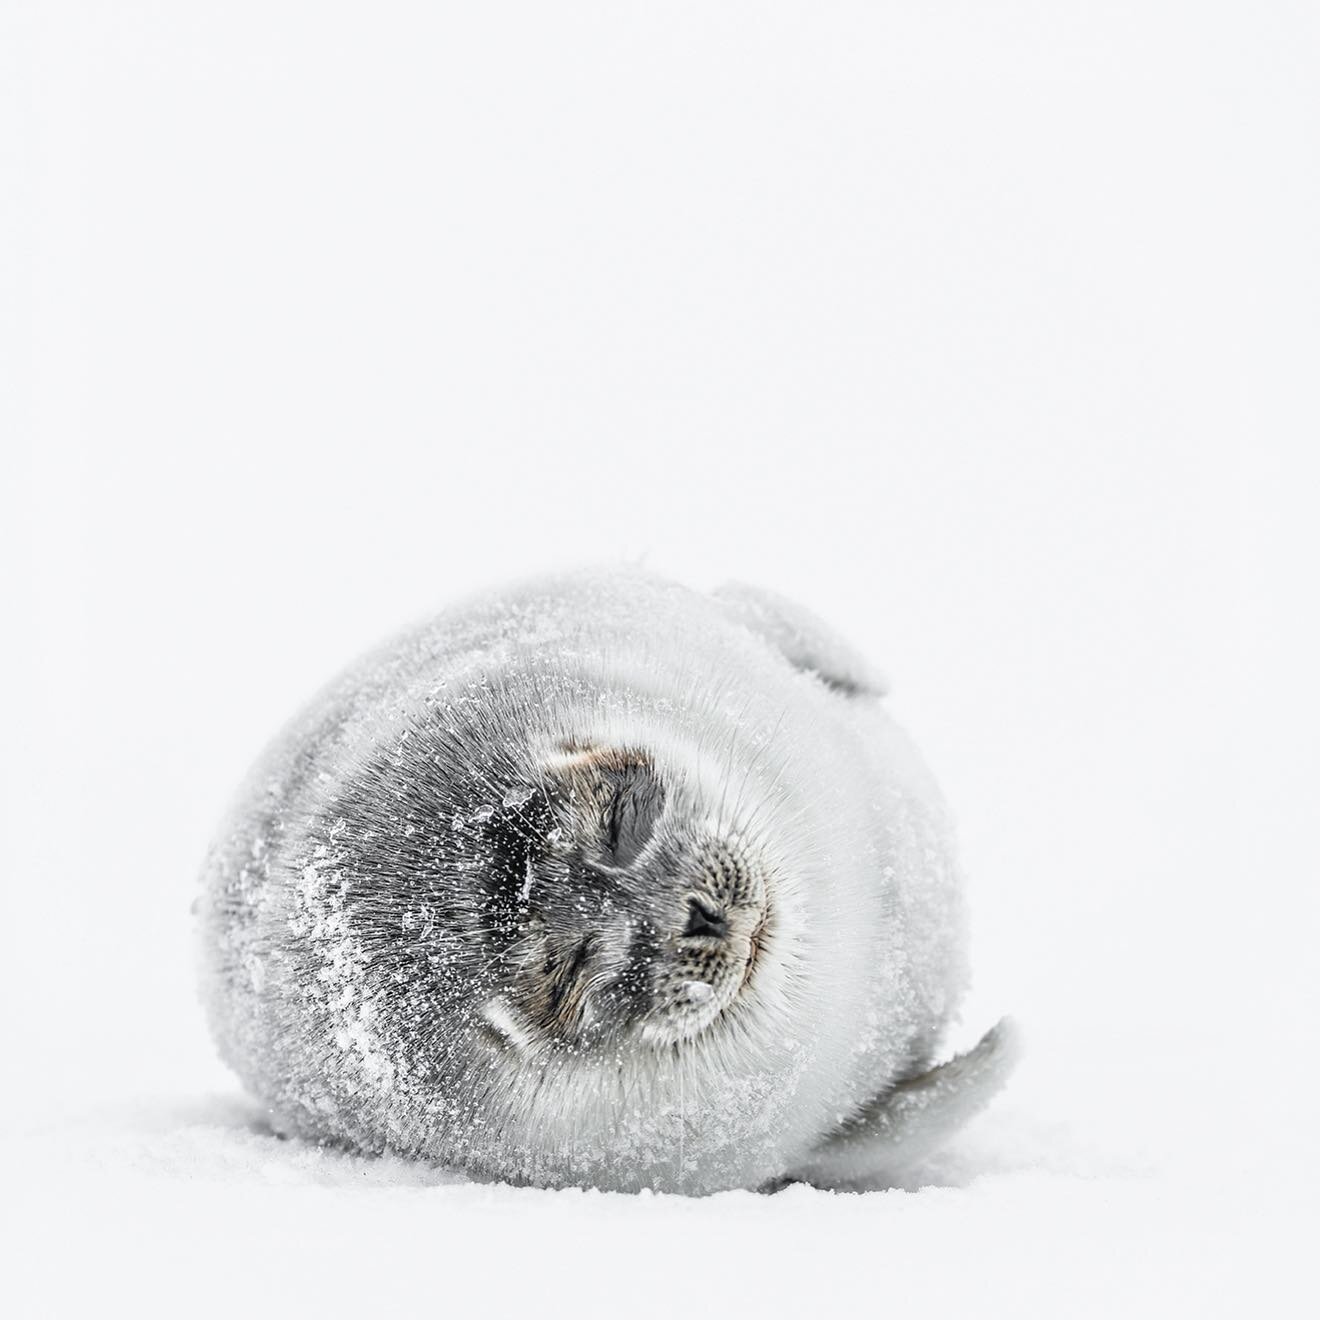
{"x": 620, "y": 906}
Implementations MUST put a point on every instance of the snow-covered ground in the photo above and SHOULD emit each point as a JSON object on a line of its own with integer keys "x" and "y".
{"x": 190, "y": 1203}
{"x": 184, "y": 1200}
{"x": 982, "y": 329}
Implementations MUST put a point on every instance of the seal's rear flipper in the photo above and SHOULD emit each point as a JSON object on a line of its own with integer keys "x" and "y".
{"x": 915, "y": 1117}
{"x": 805, "y": 641}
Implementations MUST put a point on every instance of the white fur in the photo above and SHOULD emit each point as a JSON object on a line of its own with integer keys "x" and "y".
{"x": 852, "y": 993}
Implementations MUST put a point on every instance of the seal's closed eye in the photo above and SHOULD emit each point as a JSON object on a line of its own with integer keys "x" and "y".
{"x": 637, "y": 800}
{"x": 624, "y": 793}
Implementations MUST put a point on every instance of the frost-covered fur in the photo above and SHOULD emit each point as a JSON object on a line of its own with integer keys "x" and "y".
{"x": 415, "y": 942}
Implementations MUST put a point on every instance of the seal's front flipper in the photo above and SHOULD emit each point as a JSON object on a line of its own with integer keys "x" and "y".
{"x": 916, "y": 1116}
{"x": 802, "y": 639}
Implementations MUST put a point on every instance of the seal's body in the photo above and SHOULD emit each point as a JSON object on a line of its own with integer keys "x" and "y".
{"x": 599, "y": 881}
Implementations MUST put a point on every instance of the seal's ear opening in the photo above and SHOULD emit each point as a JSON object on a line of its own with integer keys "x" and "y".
{"x": 916, "y": 1116}
{"x": 515, "y": 835}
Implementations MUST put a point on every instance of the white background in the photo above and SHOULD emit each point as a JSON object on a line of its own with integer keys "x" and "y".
{"x": 987, "y": 329}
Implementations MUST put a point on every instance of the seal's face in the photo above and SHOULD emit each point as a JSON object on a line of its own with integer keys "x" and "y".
{"x": 615, "y": 917}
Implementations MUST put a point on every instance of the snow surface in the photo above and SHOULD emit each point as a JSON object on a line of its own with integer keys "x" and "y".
{"x": 192, "y": 1203}
{"x": 987, "y": 331}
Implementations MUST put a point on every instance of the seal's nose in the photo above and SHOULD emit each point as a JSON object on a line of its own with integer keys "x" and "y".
{"x": 705, "y": 920}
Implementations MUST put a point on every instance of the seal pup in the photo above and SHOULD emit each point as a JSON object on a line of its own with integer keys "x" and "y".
{"x": 600, "y": 881}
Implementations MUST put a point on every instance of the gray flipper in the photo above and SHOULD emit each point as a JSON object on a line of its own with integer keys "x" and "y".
{"x": 915, "y": 1117}
{"x": 805, "y": 641}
